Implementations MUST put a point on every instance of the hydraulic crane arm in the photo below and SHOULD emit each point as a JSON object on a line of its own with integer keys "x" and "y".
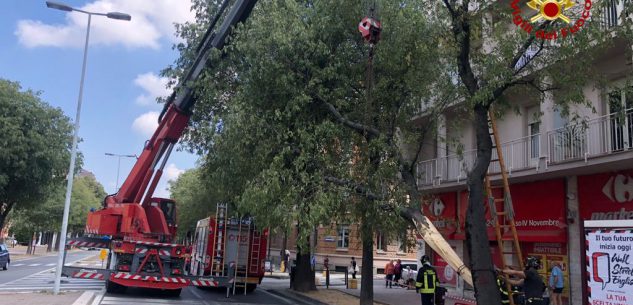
{"x": 174, "y": 118}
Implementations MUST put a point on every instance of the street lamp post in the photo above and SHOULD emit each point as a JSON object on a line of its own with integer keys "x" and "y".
{"x": 73, "y": 151}
{"x": 116, "y": 188}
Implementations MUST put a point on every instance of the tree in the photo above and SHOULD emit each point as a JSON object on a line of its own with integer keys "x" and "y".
{"x": 274, "y": 135}
{"x": 88, "y": 194}
{"x": 34, "y": 148}
{"x": 194, "y": 199}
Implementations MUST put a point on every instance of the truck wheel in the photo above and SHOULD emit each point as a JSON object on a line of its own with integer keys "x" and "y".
{"x": 6, "y": 266}
{"x": 112, "y": 287}
{"x": 250, "y": 287}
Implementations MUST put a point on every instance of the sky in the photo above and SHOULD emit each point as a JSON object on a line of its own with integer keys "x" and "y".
{"x": 42, "y": 49}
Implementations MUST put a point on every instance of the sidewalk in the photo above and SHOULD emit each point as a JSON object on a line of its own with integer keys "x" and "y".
{"x": 39, "y": 298}
{"x": 19, "y": 252}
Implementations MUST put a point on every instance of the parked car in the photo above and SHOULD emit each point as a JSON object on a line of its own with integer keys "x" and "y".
{"x": 5, "y": 259}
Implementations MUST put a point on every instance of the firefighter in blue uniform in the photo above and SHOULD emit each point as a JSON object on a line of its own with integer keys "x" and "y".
{"x": 426, "y": 282}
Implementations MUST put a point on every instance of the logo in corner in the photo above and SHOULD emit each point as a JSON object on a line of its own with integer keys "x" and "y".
{"x": 550, "y": 11}
{"x": 619, "y": 189}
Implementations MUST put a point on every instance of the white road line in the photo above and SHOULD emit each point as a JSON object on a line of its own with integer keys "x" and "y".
{"x": 51, "y": 264}
{"x": 107, "y": 300}
{"x": 276, "y": 296}
{"x": 33, "y": 265}
{"x": 38, "y": 273}
{"x": 16, "y": 265}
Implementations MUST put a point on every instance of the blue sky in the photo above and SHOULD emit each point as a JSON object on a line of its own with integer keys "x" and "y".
{"x": 42, "y": 49}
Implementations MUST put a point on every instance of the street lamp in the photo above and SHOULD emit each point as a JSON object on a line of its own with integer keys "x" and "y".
{"x": 116, "y": 188}
{"x": 73, "y": 151}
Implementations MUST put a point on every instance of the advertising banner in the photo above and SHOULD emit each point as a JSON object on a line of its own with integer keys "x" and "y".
{"x": 609, "y": 267}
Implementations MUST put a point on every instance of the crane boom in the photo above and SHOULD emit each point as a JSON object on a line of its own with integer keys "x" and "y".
{"x": 176, "y": 112}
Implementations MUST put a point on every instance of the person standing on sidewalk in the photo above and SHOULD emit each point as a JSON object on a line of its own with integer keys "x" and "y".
{"x": 389, "y": 271}
{"x": 556, "y": 284}
{"x": 353, "y": 268}
{"x": 426, "y": 282}
{"x": 397, "y": 272}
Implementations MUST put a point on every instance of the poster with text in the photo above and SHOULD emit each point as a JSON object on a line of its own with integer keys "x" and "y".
{"x": 610, "y": 267}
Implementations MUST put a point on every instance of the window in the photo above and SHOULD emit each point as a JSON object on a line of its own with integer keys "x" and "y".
{"x": 620, "y": 106}
{"x": 534, "y": 130}
{"x": 343, "y": 237}
{"x": 381, "y": 241}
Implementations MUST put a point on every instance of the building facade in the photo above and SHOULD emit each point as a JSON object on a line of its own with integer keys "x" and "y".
{"x": 561, "y": 171}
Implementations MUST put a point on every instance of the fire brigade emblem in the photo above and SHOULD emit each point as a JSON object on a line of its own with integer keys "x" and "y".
{"x": 550, "y": 9}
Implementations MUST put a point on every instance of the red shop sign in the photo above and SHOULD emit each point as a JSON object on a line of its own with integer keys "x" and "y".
{"x": 606, "y": 196}
{"x": 442, "y": 211}
{"x": 539, "y": 209}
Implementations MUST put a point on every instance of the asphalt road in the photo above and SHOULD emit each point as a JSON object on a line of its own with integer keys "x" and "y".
{"x": 26, "y": 267}
{"x": 195, "y": 296}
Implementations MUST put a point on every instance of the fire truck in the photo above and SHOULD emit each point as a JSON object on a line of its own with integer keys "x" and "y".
{"x": 230, "y": 250}
{"x": 137, "y": 228}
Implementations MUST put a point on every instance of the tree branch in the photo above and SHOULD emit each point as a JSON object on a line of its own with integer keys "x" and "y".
{"x": 362, "y": 129}
{"x": 356, "y": 187}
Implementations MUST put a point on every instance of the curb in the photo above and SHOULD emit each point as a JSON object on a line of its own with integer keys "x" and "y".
{"x": 296, "y": 297}
{"x": 350, "y": 294}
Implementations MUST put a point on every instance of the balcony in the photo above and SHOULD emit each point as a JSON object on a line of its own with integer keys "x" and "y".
{"x": 606, "y": 135}
{"x": 611, "y": 14}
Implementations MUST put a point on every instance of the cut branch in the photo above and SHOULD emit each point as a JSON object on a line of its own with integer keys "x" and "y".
{"x": 364, "y": 130}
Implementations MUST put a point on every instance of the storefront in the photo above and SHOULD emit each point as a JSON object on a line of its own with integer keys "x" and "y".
{"x": 540, "y": 216}
{"x": 607, "y": 196}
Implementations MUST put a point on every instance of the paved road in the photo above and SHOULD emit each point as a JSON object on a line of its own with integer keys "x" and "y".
{"x": 194, "y": 296}
{"x": 36, "y": 273}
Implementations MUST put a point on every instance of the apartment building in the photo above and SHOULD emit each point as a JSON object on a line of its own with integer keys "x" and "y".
{"x": 340, "y": 242}
{"x": 561, "y": 171}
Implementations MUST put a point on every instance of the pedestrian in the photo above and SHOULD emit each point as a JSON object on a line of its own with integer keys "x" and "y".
{"x": 503, "y": 288}
{"x": 397, "y": 272}
{"x": 426, "y": 281}
{"x": 313, "y": 262}
{"x": 287, "y": 258}
{"x": 532, "y": 282}
{"x": 556, "y": 284}
{"x": 389, "y": 270}
{"x": 353, "y": 268}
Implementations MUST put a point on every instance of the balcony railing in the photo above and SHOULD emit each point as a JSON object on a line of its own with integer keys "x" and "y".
{"x": 518, "y": 154}
{"x": 611, "y": 14}
{"x": 601, "y": 136}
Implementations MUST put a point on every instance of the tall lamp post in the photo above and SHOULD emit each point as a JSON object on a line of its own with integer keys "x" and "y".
{"x": 73, "y": 152}
{"x": 116, "y": 188}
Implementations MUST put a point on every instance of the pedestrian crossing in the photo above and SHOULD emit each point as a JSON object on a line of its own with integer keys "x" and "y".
{"x": 44, "y": 281}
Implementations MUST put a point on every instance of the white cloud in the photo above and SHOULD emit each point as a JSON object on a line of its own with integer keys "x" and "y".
{"x": 172, "y": 172}
{"x": 151, "y": 20}
{"x": 146, "y": 123}
{"x": 153, "y": 86}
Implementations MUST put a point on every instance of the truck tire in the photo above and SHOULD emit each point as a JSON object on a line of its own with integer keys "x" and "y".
{"x": 6, "y": 266}
{"x": 112, "y": 287}
{"x": 250, "y": 288}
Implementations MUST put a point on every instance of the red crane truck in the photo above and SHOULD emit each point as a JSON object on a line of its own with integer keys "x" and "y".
{"x": 229, "y": 248}
{"x": 140, "y": 229}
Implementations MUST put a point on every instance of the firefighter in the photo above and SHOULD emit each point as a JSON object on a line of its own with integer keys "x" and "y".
{"x": 503, "y": 289}
{"x": 532, "y": 282}
{"x": 426, "y": 282}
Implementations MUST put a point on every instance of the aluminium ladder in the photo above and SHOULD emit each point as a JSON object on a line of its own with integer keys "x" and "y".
{"x": 219, "y": 239}
{"x": 502, "y": 211}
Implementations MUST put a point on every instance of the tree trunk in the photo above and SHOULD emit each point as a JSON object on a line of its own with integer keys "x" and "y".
{"x": 304, "y": 276}
{"x": 49, "y": 241}
{"x": 5, "y": 208}
{"x": 57, "y": 241}
{"x": 486, "y": 291}
{"x": 367, "y": 269}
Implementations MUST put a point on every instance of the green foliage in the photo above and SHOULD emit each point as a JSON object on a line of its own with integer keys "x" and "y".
{"x": 34, "y": 148}
{"x": 195, "y": 198}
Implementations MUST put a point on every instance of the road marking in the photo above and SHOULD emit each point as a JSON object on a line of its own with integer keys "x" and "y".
{"x": 51, "y": 264}
{"x": 16, "y": 265}
{"x": 276, "y": 296}
{"x": 33, "y": 265}
{"x": 37, "y": 273}
{"x": 108, "y": 300}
